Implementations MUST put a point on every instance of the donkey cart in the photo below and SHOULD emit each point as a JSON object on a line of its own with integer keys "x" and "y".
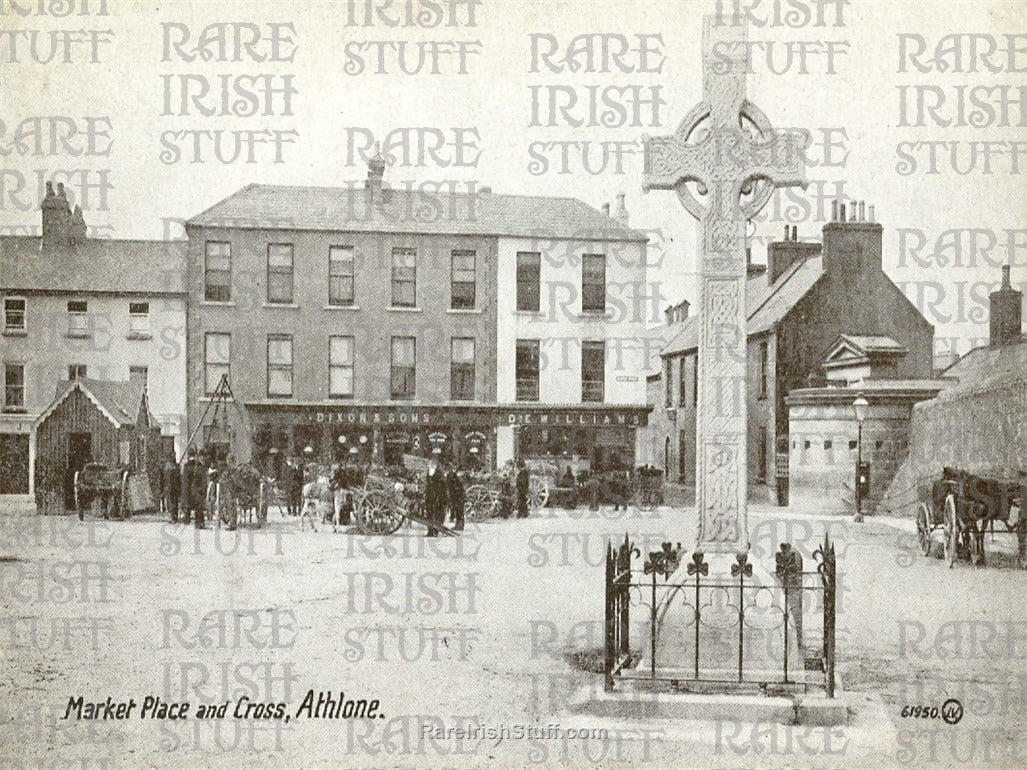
{"x": 965, "y": 507}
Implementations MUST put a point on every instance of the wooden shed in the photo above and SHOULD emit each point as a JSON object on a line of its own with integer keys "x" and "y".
{"x": 94, "y": 421}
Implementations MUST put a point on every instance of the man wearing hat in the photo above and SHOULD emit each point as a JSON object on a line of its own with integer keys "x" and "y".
{"x": 436, "y": 494}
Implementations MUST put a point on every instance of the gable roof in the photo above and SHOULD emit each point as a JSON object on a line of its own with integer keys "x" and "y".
{"x": 97, "y": 266}
{"x": 765, "y": 305}
{"x": 849, "y": 349}
{"x": 122, "y": 403}
{"x": 260, "y": 206}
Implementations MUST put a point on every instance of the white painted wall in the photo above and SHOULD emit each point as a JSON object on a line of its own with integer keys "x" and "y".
{"x": 561, "y": 326}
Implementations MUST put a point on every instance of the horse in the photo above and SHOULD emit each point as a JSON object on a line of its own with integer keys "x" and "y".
{"x": 315, "y": 493}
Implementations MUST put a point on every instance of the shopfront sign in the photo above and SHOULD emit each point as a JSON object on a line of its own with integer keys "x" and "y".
{"x": 480, "y": 416}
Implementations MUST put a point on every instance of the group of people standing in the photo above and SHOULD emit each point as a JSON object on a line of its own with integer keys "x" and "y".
{"x": 443, "y": 491}
{"x": 184, "y": 489}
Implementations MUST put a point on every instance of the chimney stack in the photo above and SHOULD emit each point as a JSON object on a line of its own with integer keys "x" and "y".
{"x": 77, "y": 227}
{"x": 622, "y": 213}
{"x": 676, "y": 313}
{"x": 606, "y": 209}
{"x": 781, "y": 255}
{"x": 56, "y": 219}
{"x": 375, "y": 173}
{"x": 853, "y": 245}
{"x": 1006, "y": 313}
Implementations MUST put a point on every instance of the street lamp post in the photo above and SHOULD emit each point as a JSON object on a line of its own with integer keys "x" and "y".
{"x": 859, "y": 406}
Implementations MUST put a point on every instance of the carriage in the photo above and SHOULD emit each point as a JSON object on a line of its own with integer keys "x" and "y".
{"x": 99, "y": 488}
{"x": 647, "y": 488}
{"x": 965, "y": 507}
{"x": 493, "y": 494}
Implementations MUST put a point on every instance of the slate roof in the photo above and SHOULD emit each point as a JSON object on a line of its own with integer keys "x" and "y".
{"x": 259, "y": 206}
{"x": 96, "y": 266}
{"x": 121, "y": 401}
{"x": 765, "y": 305}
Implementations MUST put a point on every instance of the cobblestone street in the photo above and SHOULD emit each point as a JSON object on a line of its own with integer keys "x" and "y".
{"x": 477, "y": 630}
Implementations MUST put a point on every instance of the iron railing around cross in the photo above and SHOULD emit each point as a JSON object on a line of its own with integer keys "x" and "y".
{"x": 727, "y": 632}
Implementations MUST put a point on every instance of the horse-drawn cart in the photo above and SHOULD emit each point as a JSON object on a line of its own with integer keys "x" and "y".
{"x": 965, "y": 507}
{"x": 100, "y": 489}
{"x": 383, "y": 504}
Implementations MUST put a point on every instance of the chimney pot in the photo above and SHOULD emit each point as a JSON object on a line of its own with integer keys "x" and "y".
{"x": 871, "y": 214}
{"x": 1005, "y": 277}
{"x": 795, "y": 232}
{"x": 834, "y": 210}
{"x": 841, "y": 212}
{"x": 606, "y": 209}
{"x": 786, "y": 232}
{"x": 622, "y": 213}
{"x": 862, "y": 211}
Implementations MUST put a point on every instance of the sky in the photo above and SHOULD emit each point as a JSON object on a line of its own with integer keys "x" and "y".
{"x": 863, "y": 78}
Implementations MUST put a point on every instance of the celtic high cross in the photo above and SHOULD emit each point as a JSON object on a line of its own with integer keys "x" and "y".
{"x": 724, "y": 162}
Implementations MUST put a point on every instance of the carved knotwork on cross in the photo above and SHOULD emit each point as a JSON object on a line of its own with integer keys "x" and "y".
{"x": 723, "y": 162}
{"x": 725, "y": 145}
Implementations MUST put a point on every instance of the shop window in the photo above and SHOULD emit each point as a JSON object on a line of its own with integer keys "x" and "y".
{"x": 14, "y": 315}
{"x": 404, "y": 277}
{"x": 461, "y": 369}
{"x": 529, "y": 277}
{"x": 78, "y": 318}
{"x": 340, "y": 367}
{"x": 462, "y": 280}
{"x": 828, "y": 444}
{"x": 14, "y": 387}
{"x": 340, "y": 276}
{"x": 218, "y": 272}
{"x": 593, "y": 283}
{"x": 527, "y": 366}
{"x": 279, "y": 273}
{"x": 279, "y": 365}
{"x": 217, "y": 348}
{"x": 404, "y": 367}
{"x": 139, "y": 320}
{"x": 593, "y": 371}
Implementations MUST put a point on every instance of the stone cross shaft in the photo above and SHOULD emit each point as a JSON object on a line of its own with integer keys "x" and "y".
{"x": 724, "y": 162}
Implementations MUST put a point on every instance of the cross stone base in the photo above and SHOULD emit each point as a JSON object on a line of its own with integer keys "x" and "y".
{"x": 763, "y": 637}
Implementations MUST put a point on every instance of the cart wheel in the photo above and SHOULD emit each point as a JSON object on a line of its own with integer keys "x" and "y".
{"x": 478, "y": 504}
{"x": 538, "y": 493}
{"x": 951, "y": 530}
{"x": 923, "y": 529}
{"x": 377, "y": 514}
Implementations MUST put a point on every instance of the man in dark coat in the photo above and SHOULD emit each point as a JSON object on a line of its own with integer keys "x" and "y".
{"x": 288, "y": 478}
{"x": 172, "y": 488}
{"x": 194, "y": 489}
{"x": 522, "y": 490}
{"x": 436, "y": 495}
{"x": 455, "y": 487}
